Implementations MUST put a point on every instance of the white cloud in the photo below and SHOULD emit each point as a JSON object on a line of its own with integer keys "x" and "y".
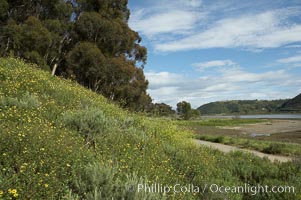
{"x": 166, "y": 17}
{"x": 265, "y": 30}
{"x": 236, "y": 75}
{"x": 222, "y": 87}
{"x": 230, "y": 83}
{"x": 211, "y": 64}
{"x": 163, "y": 79}
{"x": 174, "y": 21}
{"x": 292, "y": 59}
{"x": 293, "y": 46}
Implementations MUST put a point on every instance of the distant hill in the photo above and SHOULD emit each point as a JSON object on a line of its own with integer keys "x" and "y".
{"x": 293, "y": 105}
{"x": 243, "y": 107}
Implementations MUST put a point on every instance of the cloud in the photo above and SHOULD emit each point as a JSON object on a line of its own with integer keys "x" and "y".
{"x": 182, "y": 25}
{"x": 164, "y": 79}
{"x": 269, "y": 29}
{"x": 211, "y": 64}
{"x": 292, "y": 59}
{"x": 166, "y": 17}
{"x": 174, "y": 21}
{"x": 228, "y": 84}
{"x": 293, "y": 46}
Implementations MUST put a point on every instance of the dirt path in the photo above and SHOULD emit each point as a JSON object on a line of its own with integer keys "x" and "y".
{"x": 228, "y": 148}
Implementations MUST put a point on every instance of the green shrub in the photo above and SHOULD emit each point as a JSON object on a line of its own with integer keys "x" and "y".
{"x": 90, "y": 124}
{"x": 27, "y": 101}
{"x": 274, "y": 148}
{"x": 99, "y": 181}
{"x": 219, "y": 139}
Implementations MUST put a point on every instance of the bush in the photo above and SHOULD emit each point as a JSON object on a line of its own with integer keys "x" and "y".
{"x": 27, "y": 101}
{"x": 99, "y": 181}
{"x": 274, "y": 148}
{"x": 90, "y": 124}
{"x": 219, "y": 139}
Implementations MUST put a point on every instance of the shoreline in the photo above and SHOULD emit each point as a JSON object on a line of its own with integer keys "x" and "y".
{"x": 295, "y": 116}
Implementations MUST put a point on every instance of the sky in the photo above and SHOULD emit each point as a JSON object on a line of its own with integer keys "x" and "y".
{"x": 202, "y": 51}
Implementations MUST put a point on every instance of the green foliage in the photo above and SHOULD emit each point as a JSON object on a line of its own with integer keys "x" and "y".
{"x": 35, "y": 57}
{"x": 184, "y": 110}
{"x": 292, "y": 105}
{"x": 44, "y": 152}
{"x": 161, "y": 109}
{"x": 195, "y": 113}
{"x": 85, "y": 62}
{"x": 92, "y": 124}
{"x": 274, "y": 148}
{"x": 98, "y": 181}
{"x": 96, "y": 47}
{"x": 27, "y": 101}
{"x": 3, "y": 8}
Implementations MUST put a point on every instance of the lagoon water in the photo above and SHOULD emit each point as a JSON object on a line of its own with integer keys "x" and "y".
{"x": 267, "y": 116}
{"x": 273, "y": 116}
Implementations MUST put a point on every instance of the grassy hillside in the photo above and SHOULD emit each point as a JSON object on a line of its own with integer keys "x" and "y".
{"x": 62, "y": 141}
{"x": 293, "y": 105}
{"x": 241, "y": 107}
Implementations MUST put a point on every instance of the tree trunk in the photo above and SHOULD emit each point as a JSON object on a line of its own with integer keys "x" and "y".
{"x": 58, "y": 60}
{"x": 54, "y": 69}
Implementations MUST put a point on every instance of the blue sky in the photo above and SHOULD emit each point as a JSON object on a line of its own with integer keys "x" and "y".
{"x": 203, "y": 51}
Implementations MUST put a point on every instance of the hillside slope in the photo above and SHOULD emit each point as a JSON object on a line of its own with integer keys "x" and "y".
{"x": 241, "y": 107}
{"x": 62, "y": 141}
{"x": 293, "y": 104}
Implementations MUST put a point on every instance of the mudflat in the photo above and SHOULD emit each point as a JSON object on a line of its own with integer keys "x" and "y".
{"x": 271, "y": 127}
{"x": 275, "y": 130}
{"x": 272, "y": 130}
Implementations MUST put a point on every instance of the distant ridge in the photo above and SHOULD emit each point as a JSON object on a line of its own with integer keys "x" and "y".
{"x": 234, "y": 107}
{"x": 293, "y": 105}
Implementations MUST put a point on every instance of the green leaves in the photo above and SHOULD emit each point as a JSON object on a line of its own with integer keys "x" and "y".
{"x": 87, "y": 63}
{"x": 3, "y": 8}
{"x": 184, "y": 110}
{"x": 86, "y": 40}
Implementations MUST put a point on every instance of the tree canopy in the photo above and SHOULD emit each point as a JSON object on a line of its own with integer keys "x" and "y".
{"x": 86, "y": 40}
{"x": 162, "y": 109}
{"x": 186, "y": 112}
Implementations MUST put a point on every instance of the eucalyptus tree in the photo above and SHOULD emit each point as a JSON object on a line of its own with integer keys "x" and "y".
{"x": 86, "y": 40}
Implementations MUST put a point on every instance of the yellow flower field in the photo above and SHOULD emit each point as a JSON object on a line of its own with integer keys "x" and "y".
{"x": 62, "y": 141}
